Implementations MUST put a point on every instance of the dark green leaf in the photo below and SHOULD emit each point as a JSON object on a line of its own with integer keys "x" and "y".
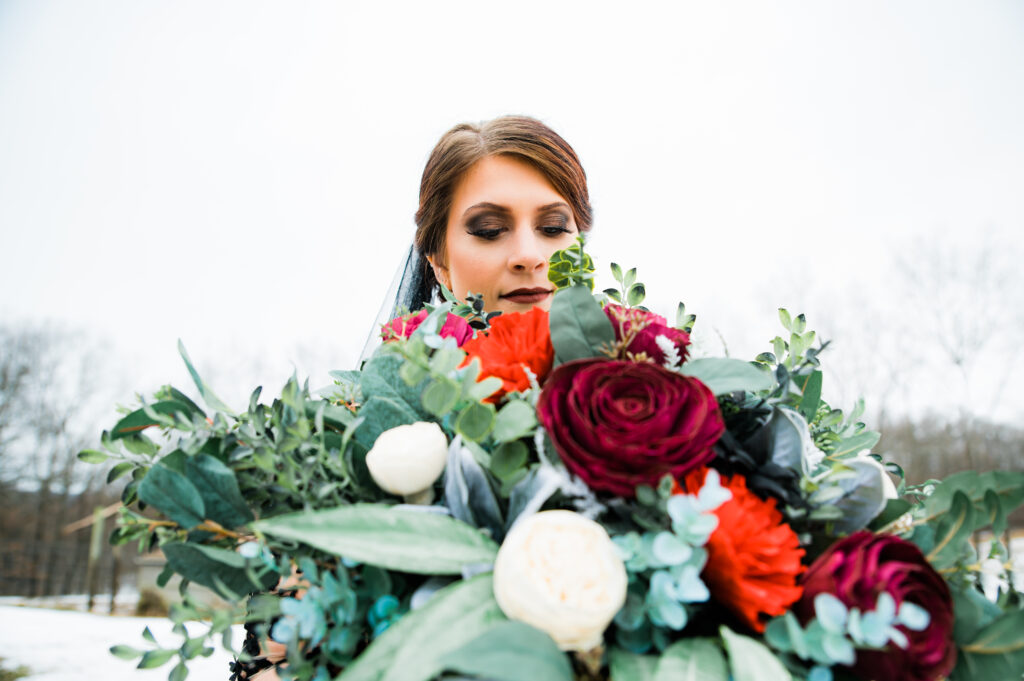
{"x": 174, "y": 495}
{"x": 118, "y": 470}
{"x": 218, "y": 487}
{"x": 380, "y": 414}
{"x": 207, "y": 564}
{"x": 510, "y": 651}
{"x": 508, "y": 458}
{"x": 140, "y": 420}
{"x": 952, "y": 530}
{"x": 811, "y": 396}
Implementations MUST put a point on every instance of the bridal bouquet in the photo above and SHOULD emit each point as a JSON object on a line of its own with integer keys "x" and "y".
{"x": 564, "y": 495}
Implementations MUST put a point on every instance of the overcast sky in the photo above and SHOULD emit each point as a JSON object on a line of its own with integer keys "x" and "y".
{"x": 243, "y": 175}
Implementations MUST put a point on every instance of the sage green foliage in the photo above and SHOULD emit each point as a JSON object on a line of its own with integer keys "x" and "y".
{"x": 630, "y": 292}
{"x": 579, "y": 327}
{"x": 511, "y": 651}
{"x": 393, "y": 538}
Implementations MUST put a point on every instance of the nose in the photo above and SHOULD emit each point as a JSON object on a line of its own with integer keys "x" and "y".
{"x": 526, "y": 253}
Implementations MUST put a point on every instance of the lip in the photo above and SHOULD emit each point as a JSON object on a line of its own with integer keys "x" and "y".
{"x": 526, "y": 296}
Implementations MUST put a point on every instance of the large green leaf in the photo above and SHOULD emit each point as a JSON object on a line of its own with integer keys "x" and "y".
{"x": 412, "y": 648}
{"x": 751, "y": 660}
{"x": 692, "y": 659}
{"x": 208, "y": 565}
{"x": 579, "y": 327}
{"x": 174, "y": 495}
{"x": 952, "y": 530}
{"x": 511, "y": 651}
{"x": 140, "y": 420}
{"x": 393, "y": 538}
{"x": 724, "y": 375}
{"x": 381, "y": 378}
{"x": 626, "y": 666}
{"x": 219, "y": 490}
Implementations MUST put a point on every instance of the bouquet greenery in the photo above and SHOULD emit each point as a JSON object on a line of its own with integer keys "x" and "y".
{"x": 564, "y": 495}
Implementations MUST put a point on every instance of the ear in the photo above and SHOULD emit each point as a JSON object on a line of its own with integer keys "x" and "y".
{"x": 440, "y": 272}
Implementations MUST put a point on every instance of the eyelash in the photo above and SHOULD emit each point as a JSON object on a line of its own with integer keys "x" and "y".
{"x": 492, "y": 234}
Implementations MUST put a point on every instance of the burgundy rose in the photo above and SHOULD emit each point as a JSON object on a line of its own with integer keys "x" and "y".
{"x": 402, "y": 327}
{"x": 620, "y": 424}
{"x": 857, "y": 570}
{"x": 639, "y": 328}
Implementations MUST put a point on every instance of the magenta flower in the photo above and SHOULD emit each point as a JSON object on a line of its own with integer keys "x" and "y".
{"x": 402, "y": 327}
{"x": 639, "y": 329}
{"x": 619, "y": 424}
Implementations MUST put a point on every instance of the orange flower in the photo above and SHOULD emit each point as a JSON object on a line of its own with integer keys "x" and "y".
{"x": 515, "y": 340}
{"x": 753, "y": 556}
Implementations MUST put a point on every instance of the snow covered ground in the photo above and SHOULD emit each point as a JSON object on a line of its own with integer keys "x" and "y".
{"x": 63, "y": 645}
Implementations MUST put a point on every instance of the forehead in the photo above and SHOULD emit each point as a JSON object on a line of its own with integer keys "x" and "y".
{"x": 504, "y": 180}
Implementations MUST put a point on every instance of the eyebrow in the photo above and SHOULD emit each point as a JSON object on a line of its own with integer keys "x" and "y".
{"x": 486, "y": 205}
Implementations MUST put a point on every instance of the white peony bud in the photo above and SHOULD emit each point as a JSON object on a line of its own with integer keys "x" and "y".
{"x": 561, "y": 573}
{"x": 406, "y": 460}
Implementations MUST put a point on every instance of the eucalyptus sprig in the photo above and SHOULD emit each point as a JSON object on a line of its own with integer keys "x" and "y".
{"x": 571, "y": 266}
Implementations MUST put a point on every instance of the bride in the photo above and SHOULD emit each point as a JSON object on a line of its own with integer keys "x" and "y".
{"x": 497, "y": 199}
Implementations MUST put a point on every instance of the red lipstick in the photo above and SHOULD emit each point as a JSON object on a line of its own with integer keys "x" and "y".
{"x": 527, "y": 296}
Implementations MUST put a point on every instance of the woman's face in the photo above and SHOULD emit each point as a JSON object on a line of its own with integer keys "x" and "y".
{"x": 505, "y": 222}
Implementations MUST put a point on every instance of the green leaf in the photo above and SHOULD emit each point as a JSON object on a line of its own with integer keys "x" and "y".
{"x": 723, "y": 375}
{"x": 995, "y": 515}
{"x": 509, "y": 458}
{"x": 412, "y": 648}
{"x": 218, "y": 487}
{"x": 475, "y": 421}
{"x": 952, "y": 530}
{"x": 125, "y": 652}
{"x": 208, "y": 565}
{"x": 179, "y": 673}
{"x": 579, "y": 326}
{"x": 92, "y": 456}
{"x": 616, "y": 272}
{"x": 393, "y": 538}
{"x": 626, "y": 666}
{"x": 1009, "y": 486}
{"x": 515, "y": 420}
{"x": 174, "y": 495}
{"x": 785, "y": 318}
{"x": 335, "y": 417}
{"x": 118, "y": 470}
{"x": 692, "y": 659}
{"x": 811, "y": 396}
{"x": 207, "y": 394}
{"x": 140, "y": 420}
{"x": 996, "y": 653}
{"x": 380, "y": 414}
{"x": 440, "y": 396}
{"x": 855, "y": 443}
{"x": 510, "y": 651}
{"x": 382, "y": 377}
{"x": 894, "y": 509}
{"x": 155, "y": 658}
{"x": 751, "y": 660}
{"x": 636, "y": 294}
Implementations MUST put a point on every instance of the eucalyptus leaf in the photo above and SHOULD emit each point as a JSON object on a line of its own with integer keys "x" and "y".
{"x": 392, "y": 538}
{"x": 724, "y": 375}
{"x": 515, "y": 420}
{"x": 952, "y": 529}
{"x": 380, "y": 414}
{"x": 475, "y": 421}
{"x": 211, "y": 566}
{"x": 139, "y": 420}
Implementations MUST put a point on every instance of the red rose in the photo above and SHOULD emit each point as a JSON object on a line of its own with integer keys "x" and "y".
{"x": 402, "y": 327}
{"x": 638, "y": 329}
{"x": 515, "y": 340}
{"x": 857, "y": 570}
{"x": 619, "y": 424}
{"x": 753, "y": 556}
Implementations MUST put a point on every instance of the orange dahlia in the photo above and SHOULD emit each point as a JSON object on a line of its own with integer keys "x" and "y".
{"x": 514, "y": 341}
{"x": 753, "y": 556}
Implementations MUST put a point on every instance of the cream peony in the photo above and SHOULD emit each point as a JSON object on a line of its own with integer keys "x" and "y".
{"x": 406, "y": 460}
{"x": 561, "y": 573}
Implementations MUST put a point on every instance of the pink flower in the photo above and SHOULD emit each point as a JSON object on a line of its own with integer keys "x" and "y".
{"x": 638, "y": 329}
{"x": 402, "y": 327}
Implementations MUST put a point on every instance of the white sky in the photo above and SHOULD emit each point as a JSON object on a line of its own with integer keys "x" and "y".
{"x": 243, "y": 175}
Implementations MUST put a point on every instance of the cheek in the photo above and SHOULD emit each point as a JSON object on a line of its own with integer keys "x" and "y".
{"x": 472, "y": 267}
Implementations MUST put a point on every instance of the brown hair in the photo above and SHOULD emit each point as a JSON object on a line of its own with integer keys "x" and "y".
{"x": 458, "y": 149}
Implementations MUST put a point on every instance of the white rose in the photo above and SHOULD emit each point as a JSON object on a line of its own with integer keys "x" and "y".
{"x": 561, "y": 573}
{"x": 406, "y": 460}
